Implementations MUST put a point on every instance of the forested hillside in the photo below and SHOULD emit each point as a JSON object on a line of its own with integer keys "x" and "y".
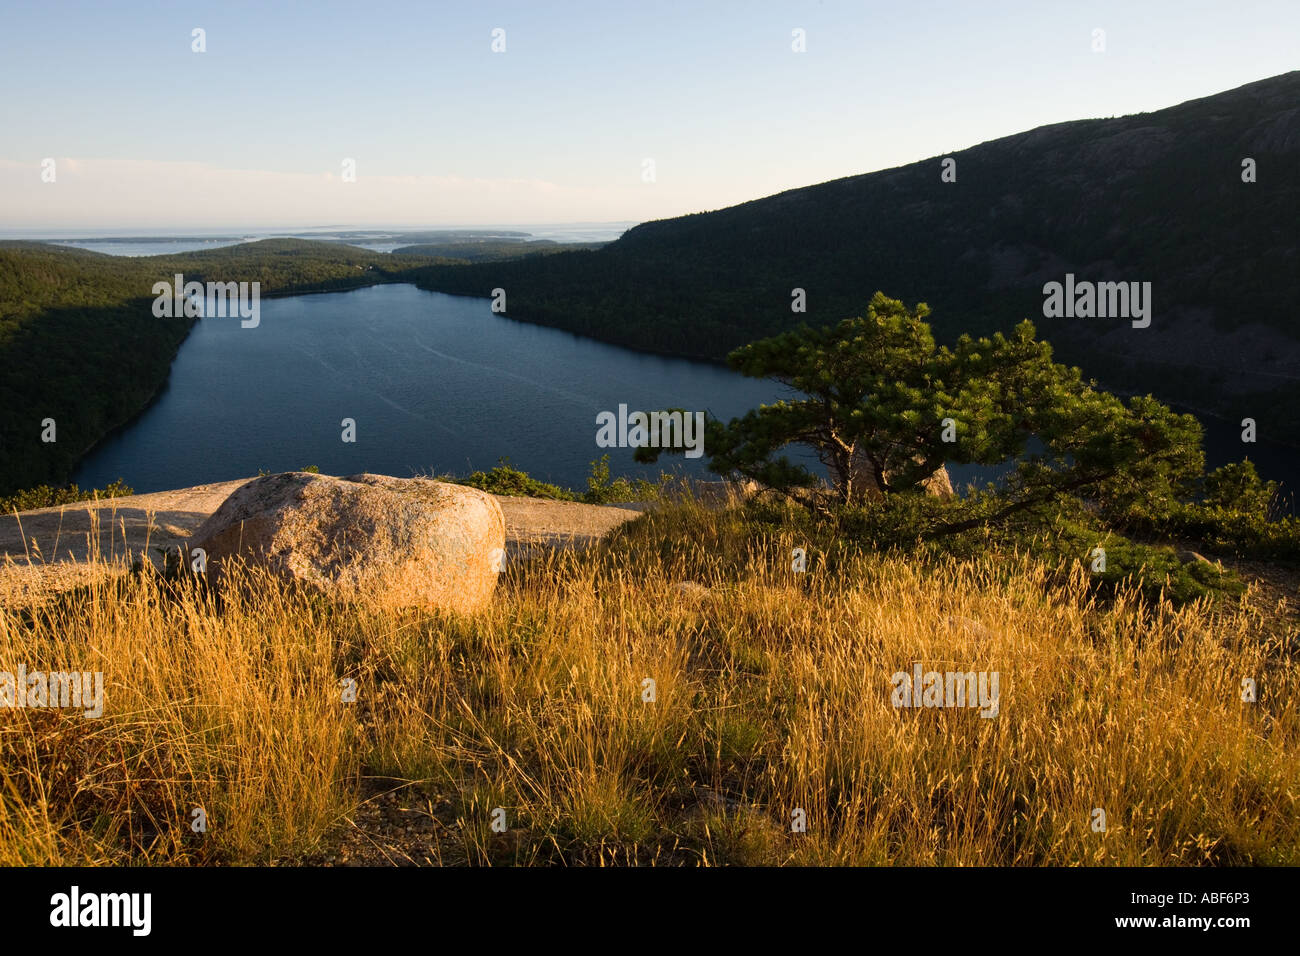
{"x": 491, "y": 249}
{"x": 1155, "y": 197}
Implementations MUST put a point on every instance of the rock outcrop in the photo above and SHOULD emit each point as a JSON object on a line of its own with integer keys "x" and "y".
{"x": 388, "y": 542}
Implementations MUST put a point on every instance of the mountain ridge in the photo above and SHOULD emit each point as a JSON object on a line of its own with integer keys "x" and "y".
{"x": 1154, "y": 196}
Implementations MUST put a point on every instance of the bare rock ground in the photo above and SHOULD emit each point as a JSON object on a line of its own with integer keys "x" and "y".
{"x": 46, "y": 550}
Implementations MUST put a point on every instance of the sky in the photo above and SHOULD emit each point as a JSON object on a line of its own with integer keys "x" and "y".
{"x": 558, "y": 127}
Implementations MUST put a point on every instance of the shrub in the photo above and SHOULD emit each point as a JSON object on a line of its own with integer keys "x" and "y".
{"x": 1238, "y": 513}
{"x": 601, "y": 489}
{"x": 504, "y": 480}
{"x": 43, "y": 496}
{"x": 1062, "y": 537}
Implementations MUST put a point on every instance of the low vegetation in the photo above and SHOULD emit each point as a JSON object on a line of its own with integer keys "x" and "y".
{"x": 43, "y": 496}
{"x": 771, "y": 694}
{"x": 602, "y": 489}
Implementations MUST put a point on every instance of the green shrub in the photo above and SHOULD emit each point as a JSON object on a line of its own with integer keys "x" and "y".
{"x": 1063, "y": 535}
{"x": 1238, "y": 513}
{"x": 601, "y": 489}
{"x": 1156, "y": 569}
{"x": 43, "y": 496}
{"x": 1238, "y": 487}
{"x": 504, "y": 480}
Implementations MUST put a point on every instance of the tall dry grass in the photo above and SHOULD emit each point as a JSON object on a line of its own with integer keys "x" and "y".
{"x": 772, "y": 694}
{"x": 235, "y": 713}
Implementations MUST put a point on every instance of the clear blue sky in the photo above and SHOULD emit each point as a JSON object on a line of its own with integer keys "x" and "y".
{"x": 444, "y": 131}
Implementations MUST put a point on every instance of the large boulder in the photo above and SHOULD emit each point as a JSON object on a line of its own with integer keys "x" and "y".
{"x": 388, "y": 542}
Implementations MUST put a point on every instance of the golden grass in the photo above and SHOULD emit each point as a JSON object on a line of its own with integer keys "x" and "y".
{"x": 772, "y": 693}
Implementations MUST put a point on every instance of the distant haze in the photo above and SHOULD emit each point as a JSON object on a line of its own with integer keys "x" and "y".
{"x": 156, "y": 242}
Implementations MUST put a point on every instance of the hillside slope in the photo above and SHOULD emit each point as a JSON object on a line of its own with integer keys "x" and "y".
{"x": 1154, "y": 197}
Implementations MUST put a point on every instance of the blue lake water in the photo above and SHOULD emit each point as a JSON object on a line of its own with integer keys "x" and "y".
{"x": 436, "y": 384}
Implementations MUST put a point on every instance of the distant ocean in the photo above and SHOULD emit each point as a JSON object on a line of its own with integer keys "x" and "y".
{"x": 156, "y": 242}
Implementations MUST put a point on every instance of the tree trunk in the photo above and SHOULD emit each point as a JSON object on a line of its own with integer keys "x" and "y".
{"x": 868, "y": 479}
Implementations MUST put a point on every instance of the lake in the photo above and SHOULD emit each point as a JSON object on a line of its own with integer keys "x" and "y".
{"x": 436, "y": 384}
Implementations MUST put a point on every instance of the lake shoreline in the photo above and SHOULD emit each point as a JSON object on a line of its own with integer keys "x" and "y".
{"x": 1215, "y": 426}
